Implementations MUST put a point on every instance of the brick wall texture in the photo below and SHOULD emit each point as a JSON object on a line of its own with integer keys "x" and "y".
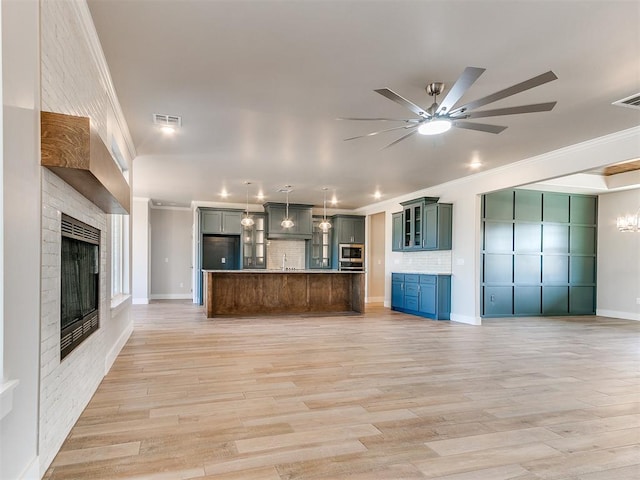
{"x": 71, "y": 84}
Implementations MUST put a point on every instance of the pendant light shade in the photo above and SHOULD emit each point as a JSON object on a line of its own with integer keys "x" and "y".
{"x": 325, "y": 225}
{"x": 247, "y": 221}
{"x": 287, "y": 222}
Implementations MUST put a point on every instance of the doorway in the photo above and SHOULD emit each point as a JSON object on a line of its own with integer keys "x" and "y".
{"x": 376, "y": 262}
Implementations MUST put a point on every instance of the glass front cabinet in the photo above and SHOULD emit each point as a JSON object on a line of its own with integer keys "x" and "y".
{"x": 423, "y": 224}
{"x": 254, "y": 248}
{"x": 320, "y": 247}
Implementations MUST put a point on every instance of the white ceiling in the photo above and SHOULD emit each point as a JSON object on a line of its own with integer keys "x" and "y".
{"x": 259, "y": 85}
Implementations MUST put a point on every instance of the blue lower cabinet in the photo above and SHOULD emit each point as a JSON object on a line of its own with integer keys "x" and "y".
{"x": 424, "y": 295}
{"x": 397, "y": 290}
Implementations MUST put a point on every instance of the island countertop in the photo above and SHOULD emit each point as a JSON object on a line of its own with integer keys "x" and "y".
{"x": 278, "y": 270}
{"x": 271, "y": 292}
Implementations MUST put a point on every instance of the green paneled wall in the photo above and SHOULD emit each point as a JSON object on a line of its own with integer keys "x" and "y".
{"x": 538, "y": 253}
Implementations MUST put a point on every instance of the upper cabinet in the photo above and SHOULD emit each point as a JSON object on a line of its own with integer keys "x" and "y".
{"x": 319, "y": 248}
{"x": 396, "y": 235}
{"x": 298, "y": 213}
{"x": 423, "y": 224}
{"x": 254, "y": 247}
{"x": 348, "y": 228}
{"x": 222, "y": 222}
{"x": 437, "y": 226}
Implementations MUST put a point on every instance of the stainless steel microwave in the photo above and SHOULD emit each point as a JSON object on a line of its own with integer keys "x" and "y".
{"x": 351, "y": 252}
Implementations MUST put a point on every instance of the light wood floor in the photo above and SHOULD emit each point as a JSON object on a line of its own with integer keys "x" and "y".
{"x": 378, "y": 396}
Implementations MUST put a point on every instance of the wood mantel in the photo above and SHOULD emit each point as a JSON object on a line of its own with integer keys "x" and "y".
{"x": 75, "y": 152}
{"x": 243, "y": 292}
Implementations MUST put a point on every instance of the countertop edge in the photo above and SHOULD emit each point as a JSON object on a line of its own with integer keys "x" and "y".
{"x": 280, "y": 272}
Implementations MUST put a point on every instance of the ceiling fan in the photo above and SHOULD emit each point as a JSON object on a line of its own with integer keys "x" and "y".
{"x": 440, "y": 117}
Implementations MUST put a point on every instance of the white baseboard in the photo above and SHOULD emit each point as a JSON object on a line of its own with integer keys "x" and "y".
{"x": 170, "y": 296}
{"x": 117, "y": 347}
{"x": 140, "y": 301}
{"x": 466, "y": 319}
{"x": 617, "y": 314}
{"x": 32, "y": 471}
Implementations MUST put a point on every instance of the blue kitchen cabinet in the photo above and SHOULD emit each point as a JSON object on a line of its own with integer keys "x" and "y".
{"x": 396, "y": 235}
{"x": 423, "y": 224}
{"x": 220, "y": 222}
{"x": 397, "y": 291}
{"x": 421, "y": 294}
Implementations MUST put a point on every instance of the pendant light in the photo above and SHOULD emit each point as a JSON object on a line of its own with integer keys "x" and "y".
{"x": 247, "y": 221}
{"x": 287, "y": 222}
{"x": 325, "y": 225}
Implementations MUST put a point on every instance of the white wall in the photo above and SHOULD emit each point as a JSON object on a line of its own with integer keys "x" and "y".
{"x": 21, "y": 226}
{"x": 618, "y": 258}
{"x": 376, "y": 258}
{"x": 465, "y": 194}
{"x": 171, "y": 244}
{"x": 140, "y": 251}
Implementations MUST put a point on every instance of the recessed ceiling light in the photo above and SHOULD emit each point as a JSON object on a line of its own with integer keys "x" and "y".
{"x": 260, "y": 195}
{"x": 377, "y": 195}
{"x": 167, "y": 130}
{"x": 334, "y": 200}
{"x": 224, "y": 193}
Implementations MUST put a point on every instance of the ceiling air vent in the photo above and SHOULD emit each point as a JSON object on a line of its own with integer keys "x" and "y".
{"x": 632, "y": 102}
{"x": 167, "y": 120}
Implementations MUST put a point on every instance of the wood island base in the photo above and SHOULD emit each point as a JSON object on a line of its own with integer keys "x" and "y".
{"x": 241, "y": 292}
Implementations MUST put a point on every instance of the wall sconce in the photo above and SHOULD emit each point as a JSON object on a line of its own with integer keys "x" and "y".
{"x": 629, "y": 223}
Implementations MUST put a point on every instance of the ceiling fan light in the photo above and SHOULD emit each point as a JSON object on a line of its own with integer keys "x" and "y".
{"x": 434, "y": 127}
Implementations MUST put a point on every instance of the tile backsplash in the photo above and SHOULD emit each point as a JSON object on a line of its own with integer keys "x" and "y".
{"x": 293, "y": 249}
{"x": 425, "y": 262}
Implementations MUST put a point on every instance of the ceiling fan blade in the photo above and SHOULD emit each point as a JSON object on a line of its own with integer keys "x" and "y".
{"x": 410, "y": 120}
{"x": 481, "y": 127}
{"x": 537, "y": 107}
{"x": 400, "y": 139}
{"x": 507, "y": 92}
{"x": 468, "y": 77}
{"x": 380, "y": 131}
{"x": 391, "y": 95}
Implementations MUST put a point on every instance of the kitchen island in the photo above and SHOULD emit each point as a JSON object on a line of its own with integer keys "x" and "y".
{"x": 271, "y": 292}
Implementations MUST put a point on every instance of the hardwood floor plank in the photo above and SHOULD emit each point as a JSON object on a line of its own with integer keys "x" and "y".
{"x": 466, "y": 444}
{"x": 505, "y": 472}
{"x": 279, "y": 457}
{"x": 488, "y": 458}
{"x": 381, "y": 396}
{"x": 305, "y": 438}
{"x": 92, "y": 454}
{"x": 631, "y": 472}
{"x": 582, "y": 463}
{"x": 611, "y": 439}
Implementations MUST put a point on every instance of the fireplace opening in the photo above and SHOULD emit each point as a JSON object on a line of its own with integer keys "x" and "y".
{"x": 79, "y": 283}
